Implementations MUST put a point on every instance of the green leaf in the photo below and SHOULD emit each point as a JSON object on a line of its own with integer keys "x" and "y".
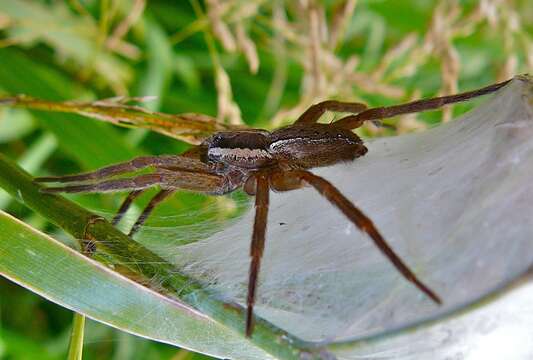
{"x": 64, "y": 276}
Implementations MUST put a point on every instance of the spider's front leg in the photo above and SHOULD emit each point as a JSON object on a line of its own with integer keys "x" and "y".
{"x": 354, "y": 121}
{"x": 315, "y": 111}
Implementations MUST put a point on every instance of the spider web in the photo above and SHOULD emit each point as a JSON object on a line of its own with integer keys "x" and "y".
{"x": 455, "y": 202}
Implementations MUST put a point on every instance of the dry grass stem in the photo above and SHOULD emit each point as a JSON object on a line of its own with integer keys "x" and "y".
{"x": 341, "y": 17}
{"x": 115, "y": 41}
{"x": 227, "y": 108}
{"x": 315, "y": 45}
{"x": 220, "y": 30}
{"x": 247, "y": 46}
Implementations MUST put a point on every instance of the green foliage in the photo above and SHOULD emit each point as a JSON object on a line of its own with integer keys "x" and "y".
{"x": 75, "y": 50}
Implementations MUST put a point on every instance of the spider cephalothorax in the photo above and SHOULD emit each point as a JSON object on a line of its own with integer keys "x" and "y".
{"x": 246, "y": 149}
{"x": 259, "y": 161}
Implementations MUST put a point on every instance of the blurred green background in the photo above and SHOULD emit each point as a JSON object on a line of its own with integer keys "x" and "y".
{"x": 259, "y": 63}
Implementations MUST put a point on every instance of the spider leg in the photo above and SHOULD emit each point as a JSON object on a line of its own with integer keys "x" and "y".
{"x": 156, "y": 200}
{"x": 136, "y": 183}
{"x": 174, "y": 179}
{"x": 314, "y": 112}
{"x": 125, "y": 167}
{"x": 257, "y": 246}
{"x": 334, "y": 196}
{"x": 126, "y": 205}
{"x": 355, "y": 122}
{"x": 352, "y": 122}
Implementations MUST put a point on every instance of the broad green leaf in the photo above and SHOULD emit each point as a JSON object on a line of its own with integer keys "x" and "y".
{"x": 64, "y": 276}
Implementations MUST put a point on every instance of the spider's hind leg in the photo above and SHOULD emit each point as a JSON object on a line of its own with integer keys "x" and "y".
{"x": 136, "y": 183}
{"x": 359, "y": 219}
{"x": 118, "y": 169}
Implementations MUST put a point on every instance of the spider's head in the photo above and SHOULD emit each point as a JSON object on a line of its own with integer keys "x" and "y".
{"x": 243, "y": 148}
{"x": 241, "y": 139}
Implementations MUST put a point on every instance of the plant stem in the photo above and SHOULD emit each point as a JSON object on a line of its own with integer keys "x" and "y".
{"x": 75, "y": 349}
{"x": 191, "y": 128}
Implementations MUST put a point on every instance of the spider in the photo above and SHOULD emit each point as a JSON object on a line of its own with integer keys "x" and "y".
{"x": 259, "y": 161}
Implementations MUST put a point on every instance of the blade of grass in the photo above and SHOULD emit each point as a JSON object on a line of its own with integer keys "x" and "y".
{"x": 66, "y": 277}
{"x": 191, "y": 128}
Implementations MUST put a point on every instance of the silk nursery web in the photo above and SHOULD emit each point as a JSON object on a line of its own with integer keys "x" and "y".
{"x": 455, "y": 202}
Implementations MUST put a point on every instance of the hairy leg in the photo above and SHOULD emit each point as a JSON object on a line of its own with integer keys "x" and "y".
{"x": 335, "y": 197}
{"x": 314, "y": 112}
{"x": 136, "y": 183}
{"x": 195, "y": 180}
{"x": 129, "y": 166}
{"x": 257, "y": 246}
{"x": 126, "y": 205}
{"x": 156, "y": 200}
{"x": 352, "y": 122}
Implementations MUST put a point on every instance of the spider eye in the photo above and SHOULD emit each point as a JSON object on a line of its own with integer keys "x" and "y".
{"x": 216, "y": 139}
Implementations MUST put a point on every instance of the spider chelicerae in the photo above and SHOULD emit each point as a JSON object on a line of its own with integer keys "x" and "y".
{"x": 259, "y": 161}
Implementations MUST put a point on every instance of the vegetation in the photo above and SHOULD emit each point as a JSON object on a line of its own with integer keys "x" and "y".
{"x": 255, "y": 63}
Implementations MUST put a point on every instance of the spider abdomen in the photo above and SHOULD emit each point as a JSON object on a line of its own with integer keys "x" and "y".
{"x": 315, "y": 146}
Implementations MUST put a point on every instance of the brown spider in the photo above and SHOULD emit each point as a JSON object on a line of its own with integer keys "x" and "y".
{"x": 257, "y": 161}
